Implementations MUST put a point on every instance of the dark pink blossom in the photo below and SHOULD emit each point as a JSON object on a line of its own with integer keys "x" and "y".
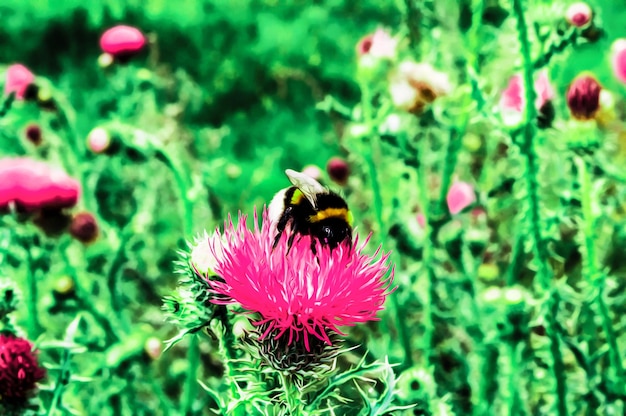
{"x": 19, "y": 370}
{"x": 297, "y": 292}
{"x": 122, "y": 40}
{"x": 34, "y": 185}
{"x": 18, "y": 78}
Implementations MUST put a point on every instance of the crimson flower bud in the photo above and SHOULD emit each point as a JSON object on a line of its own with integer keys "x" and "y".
{"x": 338, "y": 170}
{"x": 84, "y": 227}
{"x": 583, "y": 97}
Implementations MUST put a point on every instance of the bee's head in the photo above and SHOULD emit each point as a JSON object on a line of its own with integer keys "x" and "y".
{"x": 332, "y": 231}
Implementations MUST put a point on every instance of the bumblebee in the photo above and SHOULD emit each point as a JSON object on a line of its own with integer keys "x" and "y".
{"x": 309, "y": 208}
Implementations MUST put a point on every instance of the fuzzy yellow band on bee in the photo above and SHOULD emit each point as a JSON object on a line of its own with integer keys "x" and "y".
{"x": 342, "y": 213}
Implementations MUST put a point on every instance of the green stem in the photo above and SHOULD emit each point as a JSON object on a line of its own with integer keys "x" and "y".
{"x": 183, "y": 188}
{"x": 34, "y": 326}
{"x": 544, "y": 274}
{"x": 428, "y": 262}
{"x": 371, "y": 158}
{"x": 513, "y": 402}
{"x": 191, "y": 383}
{"x": 595, "y": 279}
{"x": 62, "y": 380}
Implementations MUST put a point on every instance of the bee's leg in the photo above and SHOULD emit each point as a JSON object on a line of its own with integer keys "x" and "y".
{"x": 313, "y": 249}
{"x": 280, "y": 226}
{"x": 294, "y": 231}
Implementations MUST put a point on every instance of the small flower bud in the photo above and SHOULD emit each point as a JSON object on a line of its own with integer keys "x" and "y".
{"x": 122, "y": 42}
{"x": 313, "y": 171}
{"x": 619, "y": 59}
{"x": 18, "y": 79}
{"x": 379, "y": 44}
{"x": 153, "y": 347}
{"x": 460, "y": 196}
{"x": 33, "y": 134}
{"x": 98, "y": 140}
{"x": 579, "y": 14}
{"x": 84, "y": 227}
{"x": 105, "y": 60}
{"x": 64, "y": 286}
{"x": 583, "y": 97}
{"x": 338, "y": 170}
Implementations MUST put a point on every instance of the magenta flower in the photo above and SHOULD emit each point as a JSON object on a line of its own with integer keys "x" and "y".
{"x": 460, "y": 196}
{"x": 18, "y": 78}
{"x": 122, "y": 41}
{"x": 19, "y": 370}
{"x": 299, "y": 293}
{"x": 619, "y": 59}
{"x": 34, "y": 185}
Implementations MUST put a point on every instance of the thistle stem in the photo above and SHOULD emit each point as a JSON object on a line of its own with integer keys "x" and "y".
{"x": 34, "y": 326}
{"x": 193, "y": 362}
{"x": 544, "y": 274}
{"x": 595, "y": 278}
{"x": 371, "y": 158}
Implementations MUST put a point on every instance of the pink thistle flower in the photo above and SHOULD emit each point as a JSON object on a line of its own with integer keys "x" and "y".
{"x": 379, "y": 44}
{"x": 19, "y": 369}
{"x": 34, "y": 185}
{"x": 18, "y": 78}
{"x": 618, "y": 59}
{"x": 579, "y": 14}
{"x": 460, "y": 196}
{"x": 513, "y": 97}
{"x": 122, "y": 41}
{"x": 299, "y": 293}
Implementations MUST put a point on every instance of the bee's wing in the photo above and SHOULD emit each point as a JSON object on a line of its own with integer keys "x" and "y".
{"x": 309, "y": 186}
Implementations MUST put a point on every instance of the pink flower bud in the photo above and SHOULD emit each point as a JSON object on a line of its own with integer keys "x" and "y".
{"x": 460, "y": 196}
{"x": 619, "y": 59}
{"x": 153, "y": 347}
{"x": 421, "y": 220}
{"x": 583, "y": 97}
{"x": 380, "y": 44}
{"x": 579, "y": 14}
{"x": 338, "y": 170}
{"x": 33, "y": 185}
{"x": 18, "y": 78}
{"x": 98, "y": 140}
{"x": 122, "y": 41}
{"x": 313, "y": 171}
